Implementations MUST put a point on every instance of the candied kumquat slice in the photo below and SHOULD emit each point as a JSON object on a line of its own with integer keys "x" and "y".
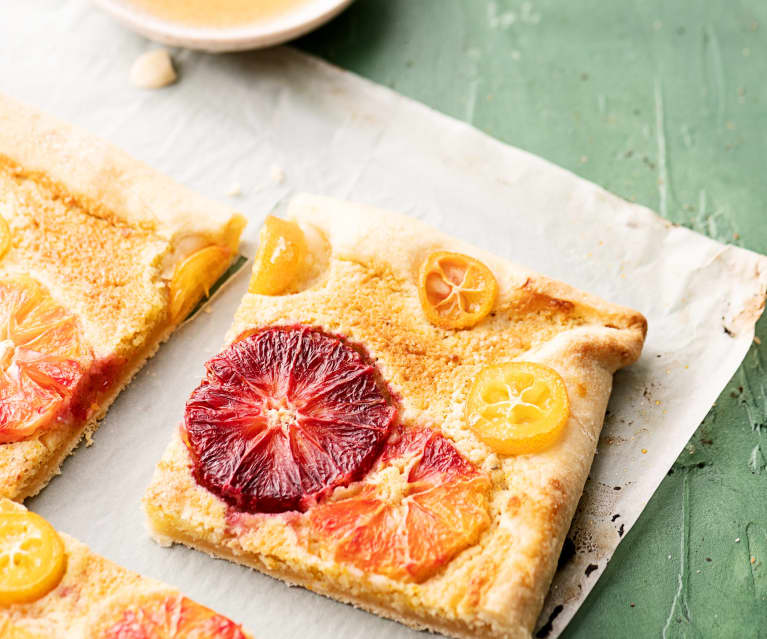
{"x": 418, "y": 509}
{"x": 5, "y": 237}
{"x": 191, "y": 279}
{"x": 281, "y": 256}
{"x": 518, "y": 407}
{"x": 43, "y": 358}
{"x": 172, "y": 617}
{"x": 456, "y": 291}
{"x": 32, "y": 557}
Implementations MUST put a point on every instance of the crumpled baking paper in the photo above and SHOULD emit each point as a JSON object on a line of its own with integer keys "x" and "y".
{"x": 272, "y": 123}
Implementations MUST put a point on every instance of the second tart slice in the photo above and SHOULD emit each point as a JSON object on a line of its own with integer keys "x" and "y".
{"x": 101, "y": 258}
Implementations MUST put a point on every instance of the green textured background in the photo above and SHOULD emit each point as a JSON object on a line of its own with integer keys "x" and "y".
{"x": 663, "y": 102}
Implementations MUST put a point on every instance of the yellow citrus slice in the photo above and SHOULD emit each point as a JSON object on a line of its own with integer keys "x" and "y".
{"x": 518, "y": 407}
{"x": 192, "y": 278}
{"x": 280, "y": 258}
{"x": 456, "y": 291}
{"x": 5, "y": 237}
{"x": 32, "y": 558}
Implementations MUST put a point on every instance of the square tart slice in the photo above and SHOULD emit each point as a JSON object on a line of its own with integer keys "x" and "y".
{"x": 52, "y": 586}
{"x": 399, "y": 420}
{"x": 101, "y": 258}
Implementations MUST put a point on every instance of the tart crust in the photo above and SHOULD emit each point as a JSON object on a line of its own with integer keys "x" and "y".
{"x": 102, "y": 232}
{"x": 366, "y": 290}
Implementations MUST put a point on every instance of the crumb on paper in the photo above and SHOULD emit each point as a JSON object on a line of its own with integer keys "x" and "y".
{"x": 153, "y": 70}
{"x": 644, "y": 451}
{"x": 234, "y": 189}
{"x": 276, "y": 174}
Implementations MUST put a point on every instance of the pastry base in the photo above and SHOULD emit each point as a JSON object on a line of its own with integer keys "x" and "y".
{"x": 167, "y": 536}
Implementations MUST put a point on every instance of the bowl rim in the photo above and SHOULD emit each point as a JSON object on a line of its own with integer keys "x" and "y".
{"x": 296, "y": 22}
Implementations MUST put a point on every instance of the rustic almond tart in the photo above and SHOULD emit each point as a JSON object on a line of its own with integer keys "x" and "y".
{"x": 52, "y": 586}
{"x": 398, "y": 420}
{"x": 101, "y": 258}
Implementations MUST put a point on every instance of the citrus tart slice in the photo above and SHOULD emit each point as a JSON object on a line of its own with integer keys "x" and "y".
{"x": 51, "y": 585}
{"x": 100, "y": 259}
{"x": 398, "y": 420}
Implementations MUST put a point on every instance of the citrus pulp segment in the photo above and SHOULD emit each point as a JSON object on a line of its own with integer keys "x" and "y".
{"x": 191, "y": 278}
{"x": 518, "y": 407}
{"x": 456, "y": 291}
{"x": 283, "y": 415}
{"x": 32, "y": 558}
{"x": 409, "y": 523}
{"x": 43, "y": 358}
{"x": 280, "y": 259}
{"x": 172, "y": 617}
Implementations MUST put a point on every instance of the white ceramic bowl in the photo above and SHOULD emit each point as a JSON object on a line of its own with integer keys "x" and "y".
{"x": 265, "y": 33}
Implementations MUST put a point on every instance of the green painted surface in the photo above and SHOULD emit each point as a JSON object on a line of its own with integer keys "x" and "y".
{"x": 665, "y": 103}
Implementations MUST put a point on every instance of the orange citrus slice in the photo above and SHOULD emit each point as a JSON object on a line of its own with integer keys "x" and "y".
{"x": 43, "y": 358}
{"x": 518, "y": 407}
{"x": 456, "y": 291}
{"x": 280, "y": 259}
{"x": 191, "y": 279}
{"x": 32, "y": 558}
{"x": 423, "y": 505}
{"x": 172, "y": 617}
{"x": 5, "y": 237}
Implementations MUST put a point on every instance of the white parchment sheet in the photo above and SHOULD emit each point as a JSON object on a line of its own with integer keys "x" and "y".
{"x": 245, "y": 119}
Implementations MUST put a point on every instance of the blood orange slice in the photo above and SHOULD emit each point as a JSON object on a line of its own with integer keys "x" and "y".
{"x": 284, "y": 415}
{"x": 423, "y": 504}
{"x": 43, "y": 356}
{"x": 173, "y": 617}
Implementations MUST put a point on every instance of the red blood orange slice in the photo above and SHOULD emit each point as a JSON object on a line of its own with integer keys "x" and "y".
{"x": 423, "y": 504}
{"x": 284, "y": 415}
{"x": 173, "y": 617}
{"x": 43, "y": 356}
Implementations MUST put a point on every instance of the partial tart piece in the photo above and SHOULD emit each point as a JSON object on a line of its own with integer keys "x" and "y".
{"x": 53, "y": 586}
{"x": 100, "y": 259}
{"x": 405, "y": 425}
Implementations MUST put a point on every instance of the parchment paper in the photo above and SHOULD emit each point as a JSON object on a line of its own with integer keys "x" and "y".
{"x": 244, "y": 120}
